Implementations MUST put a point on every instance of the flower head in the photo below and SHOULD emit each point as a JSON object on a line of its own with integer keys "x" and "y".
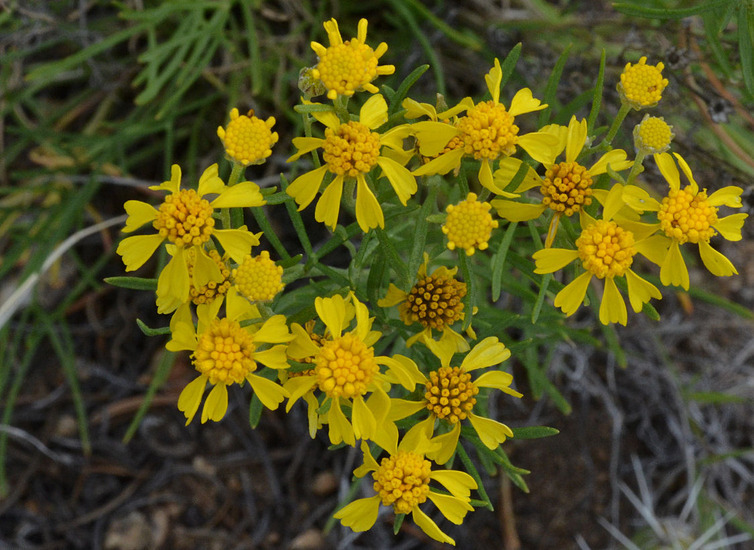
{"x": 350, "y": 66}
{"x": 185, "y": 220}
{"x": 469, "y": 225}
{"x": 450, "y": 395}
{"x": 248, "y": 139}
{"x": 402, "y": 481}
{"x": 606, "y": 249}
{"x": 652, "y": 135}
{"x": 351, "y": 150}
{"x": 224, "y": 353}
{"x": 258, "y": 278}
{"x": 688, "y": 215}
{"x": 641, "y": 85}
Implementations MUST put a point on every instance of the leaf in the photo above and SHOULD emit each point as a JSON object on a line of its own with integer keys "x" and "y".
{"x": 534, "y": 432}
{"x": 133, "y": 283}
{"x": 167, "y": 360}
{"x": 665, "y": 13}
{"x": 151, "y": 331}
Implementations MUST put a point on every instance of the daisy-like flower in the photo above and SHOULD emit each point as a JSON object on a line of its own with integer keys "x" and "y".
{"x": 351, "y": 151}
{"x": 652, "y": 136}
{"x": 641, "y": 85}
{"x": 469, "y": 225}
{"x": 566, "y": 187}
{"x": 606, "y": 249}
{"x": 688, "y": 215}
{"x": 225, "y": 353}
{"x": 450, "y": 396}
{"x": 248, "y": 139}
{"x": 346, "y": 370}
{"x": 258, "y": 278}
{"x": 402, "y": 480}
{"x": 185, "y": 220}
{"x": 487, "y": 132}
{"x": 350, "y": 66}
{"x": 435, "y": 302}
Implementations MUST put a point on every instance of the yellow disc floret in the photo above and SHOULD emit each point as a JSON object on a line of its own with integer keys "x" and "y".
{"x": 185, "y": 219}
{"x": 212, "y": 289}
{"x": 686, "y": 216}
{"x": 567, "y": 187}
{"x": 248, "y": 139}
{"x": 225, "y": 353}
{"x": 641, "y": 85}
{"x": 345, "y": 367}
{"x": 434, "y": 302}
{"x": 450, "y": 394}
{"x": 351, "y": 149}
{"x": 402, "y": 481}
{"x": 258, "y": 277}
{"x": 469, "y": 225}
{"x": 606, "y": 249}
{"x": 652, "y": 136}
{"x": 488, "y": 131}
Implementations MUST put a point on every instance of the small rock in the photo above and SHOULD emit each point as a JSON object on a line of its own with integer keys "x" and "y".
{"x": 312, "y": 539}
{"x": 324, "y": 483}
{"x": 132, "y": 532}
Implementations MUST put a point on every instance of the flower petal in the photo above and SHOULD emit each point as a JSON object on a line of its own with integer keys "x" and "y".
{"x": 730, "y": 226}
{"x": 305, "y": 145}
{"x": 362, "y": 419}
{"x": 613, "y": 307}
{"x": 305, "y": 187}
{"x": 237, "y": 242}
{"x": 361, "y": 514}
{"x": 242, "y": 195}
{"x": 328, "y": 206}
{"x": 549, "y": 260}
{"x": 524, "y": 102}
{"x": 425, "y": 523}
{"x": 458, "y": 484}
{"x": 139, "y": 213}
{"x": 576, "y": 138}
{"x": 393, "y": 297}
{"x": 669, "y": 170}
{"x": 191, "y": 398}
{"x": 373, "y": 113}
{"x": 486, "y": 353}
{"x": 368, "y": 211}
{"x": 729, "y": 195}
{"x": 491, "y": 432}
{"x": 332, "y": 311}
{"x": 340, "y": 428}
{"x": 493, "y": 80}
{"x": 453, "y": 508}
{"x": 400, "y": 177}
{"x": 270, "y": 393}
{"x": 673, "y": 270}
{"x": 432, "y": 137}
{"x": 514, "y": 211}
{"x": 508, "y": 168}
{"x": 498, "y": 380}
{"x": 210, "y": 182}
{"x": 216, "y": 404}
{"x": 136, "y": 250}
{"x": 570, "y": 298}
{"x": 297, "y": 387}
{"x": 173, "y": 281}
{"x": 615, "y": 158}
{"x": 715, "y": 261}
{"x": 638, "y": 199}
{"x": 442, "y": 164}
{"x": 541, "y": 146}
{"x": 640, "y": 291}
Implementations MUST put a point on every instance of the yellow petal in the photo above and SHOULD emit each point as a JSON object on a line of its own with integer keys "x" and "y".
{"x": 393, "y": 297}
{"x": 730, "y": 226}
{"x": 237, "y": 242}
{"x": 333, "y": 33}
{"x": 640, "y": 291}
{"x": 687, "y": 170}
{"x": 425, "y": 523}
{"x": 549, "y": 260}
{"x": 332, "y": 311}
{"x": 173, "y": 184}
{"x": 486, "y": 353}
{"x": 638, "y": 199}
{"x": 414, "y": 109}
{"x": 328, "y": 206}
{"x": 453, "y": 508}
{"x": 615, "y": 158}
{"x": 270, "y": 393}
{"x": 448, "y": 443}
{"x": 669, "y": 170}
{"x": 514, "y": 211}
{"x": 368, "y": 211}
{"x": 729, "y": 195}
{"x": 274, "y": 357}
{"x": 673, "y": 270}
{"x": 523, "y": 102}
{"x": 340, "y": 428}
{"x": 297, "y": 387}
{"x": 216, "y": 404}
{"x": 493, "y": 80}
{"x": 442, "y": 164}
{"x": 613, "y": 202}
{"x": 242, "y": 195}
{"x": 364, "y": 423}
{"x": 572, "y": 296}
{"x": 139, "y": 213}
{"x": 205, "y": 269}
{"x": 400, "y": 177}
{"x": 191, "y": 398}
{"x": 491, "y": 432}
{"x": 559, "y": 131}
{"x": 373, "y": 113}
{"x": 541, "y": 146}
{"x": 174, "y": 278}
{"x": 403, "y": 370}
{"x": 612, "y": 308}
{"x": 432, "y": 136}
{"x": 136, "y": 250}
{"x": 401, "y": 408}
{"x": 304, "y": 188}
{"x": 305, "y": 145}
{"x": 507, "y": 170}
{"x": 328, "y": 118}
{"x": 498, "y": 380}
{"x": 273, "y": 331}
{"x": 654, "y": 248}
{"x": 210, "y": 182}
{"x": 575, "y": 138}
{"x": 715, "y": 261}
{"x": 360, "y": 515}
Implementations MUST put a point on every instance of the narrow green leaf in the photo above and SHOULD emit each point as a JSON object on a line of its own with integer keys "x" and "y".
{"x": 552, "y": 86}
{"x": 665, "y": 13}
{"x": 745, "y": 48}
{"x": 534, "y": 432}
{"x": 597, "y": 98}
{"x": 134, "y": 283}
{"x": 405, "y": 86}
{"x": 508, "y": 65}
{"x": 162, "y": 371}
{"x": 255, "y": 411}
{"x": 152, "y": 331}
{"x": 498, "y": 261}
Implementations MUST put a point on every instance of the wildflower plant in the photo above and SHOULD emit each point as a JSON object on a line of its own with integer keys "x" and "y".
{"x": 382, "y": 354}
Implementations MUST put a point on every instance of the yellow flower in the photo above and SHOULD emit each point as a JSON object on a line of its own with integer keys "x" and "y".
{"x": 566, "y": 187}
{"x": 488, "y": 132}
{"x": 402, "y": 481}
{"x": 248, "y": 139}
{"x": 689, "y": 215}
{"x": 469, "y": 225}
{"x": 606, "y": 249}
{"x": 652, "y": 136}
{"x": 450, "y": 396}
{"x": 185, "y": 220}
{"x": 350, "y": 66}
{"x": 346, "y": 370}
{"x": 225, "y": 353}
{"x": 439, "y": 135}
{"x": 351, "y": 151}
{"x": 435, "y": 302}
{"x": 641, "y": 85}
{"x": 258, "y": 278}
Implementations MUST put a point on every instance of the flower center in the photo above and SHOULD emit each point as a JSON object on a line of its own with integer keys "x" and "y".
{"x": 687, "y": 217}
{"x": 351, "y": 149}
{"x": 345, "y": 367}
{"x": 208, "y": 292}
{"x": 347, "y": 67}
{"x": 450, "y": 394}
{"x": 402, "y": 481}
{"x": 435, "y": 302}
{"x": 641, "y": 85}
{"x": 469, "y": 225}
{"x": 259, "y": 278}
{"x": 248, "y": 139}
{"x": 606, "y": 249}
{"x": 185, "y": 219}
{"x": 567, "y": 187}
{"x": 653, "y": 135}
{"x": 225, "y": 353}
{"x": 488, "y": 131}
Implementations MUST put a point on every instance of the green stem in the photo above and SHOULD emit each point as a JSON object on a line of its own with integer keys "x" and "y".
{"x": 341, "y": 108}
{"x": 624, "y": 109}
{"x": 236, "y": 220}
{"x": 636, "y": 168}
{"x": 472, "y": 471}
